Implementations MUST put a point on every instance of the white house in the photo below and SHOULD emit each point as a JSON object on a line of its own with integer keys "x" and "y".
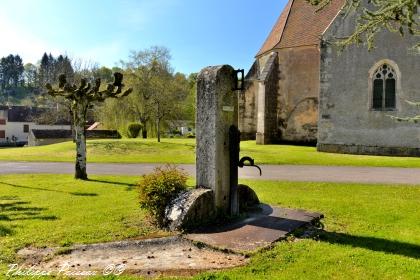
{"x": 16, "y": 122}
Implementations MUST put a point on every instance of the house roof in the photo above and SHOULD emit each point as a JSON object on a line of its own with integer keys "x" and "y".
{"x": 67, "y": 134}
{"x": 52, "y": 133}
{"x": 29, "y": 114}
{"x": 300, "y": 24}
{"x": 23, "y": 113}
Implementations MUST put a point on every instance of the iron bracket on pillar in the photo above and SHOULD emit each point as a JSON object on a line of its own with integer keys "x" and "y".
{"x": 235, "y": 162}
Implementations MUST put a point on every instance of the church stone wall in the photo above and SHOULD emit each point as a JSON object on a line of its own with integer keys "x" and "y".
{"x": 290, "y": 90}
{"x": 248, "y": 105}
{"x": 298, "y": 92}
{"x": 347, "y": 122}
{"x": 267, "y": 100}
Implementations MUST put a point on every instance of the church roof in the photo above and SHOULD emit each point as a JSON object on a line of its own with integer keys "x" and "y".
{"x": 300, "y": 24}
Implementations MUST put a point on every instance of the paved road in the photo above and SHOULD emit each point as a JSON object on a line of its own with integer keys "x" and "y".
{"x": 270, "y": 172}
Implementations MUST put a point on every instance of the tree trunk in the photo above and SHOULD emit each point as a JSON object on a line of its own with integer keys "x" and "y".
{"x": 73, "y": 134}
{"x": 158, "y": 129}
{"x": 143, "y": 121}
{"x": 80, "y": 135}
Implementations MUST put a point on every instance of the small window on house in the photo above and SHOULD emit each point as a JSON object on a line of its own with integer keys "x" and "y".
{"x": 2, "y": 134}
{"x": 384, "y": 88}
{"x": 2, "y": 121}
{"x": 26, "y": 128}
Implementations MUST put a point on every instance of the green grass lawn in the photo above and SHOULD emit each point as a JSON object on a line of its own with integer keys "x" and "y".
{"x": 371, "y": 231}
{"x": 183, "y": 151}
{"x": 45, "y": 210}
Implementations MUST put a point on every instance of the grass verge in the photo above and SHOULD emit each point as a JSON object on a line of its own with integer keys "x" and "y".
{"x": 183, "y": 151}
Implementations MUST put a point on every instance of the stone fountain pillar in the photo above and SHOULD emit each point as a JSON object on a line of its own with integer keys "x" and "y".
{"x": 217, "y": 111}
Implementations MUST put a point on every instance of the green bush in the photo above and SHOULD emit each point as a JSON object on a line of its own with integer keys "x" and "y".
{"x": 190, "y": 135}
{"x": 157, "y": 189}
{"x": 134, "y": 130}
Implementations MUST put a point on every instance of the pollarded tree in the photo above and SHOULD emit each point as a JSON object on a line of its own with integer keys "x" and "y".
{"x": 81, "y": 98}
{"x": 392, "y": 15}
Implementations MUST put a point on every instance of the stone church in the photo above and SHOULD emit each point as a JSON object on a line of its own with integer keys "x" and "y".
{"x": 301, "y": 89}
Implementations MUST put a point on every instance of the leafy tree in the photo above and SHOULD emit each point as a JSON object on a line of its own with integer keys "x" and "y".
{"x": 190, "y": 102}
{"x": 30, "y": 75}
{"x": 164, "y": 100}
{"x": 393, "y": 15}
{"x": 147, "y": 72}
{"x": 45, "y": 70}
{"x": 62, "y": 65}
{"x": 104, "y": 74}
{"x": 115, "y": 114}
{"x": 48, "y": 72}
{"x": 50, "y": 68}
{"x": 11, "y": 71}
{"x": 17, "y": 70}
{"x": 183, "y": 100}
{"x": 159, "y": 95}
{"x": 11, "y": 77}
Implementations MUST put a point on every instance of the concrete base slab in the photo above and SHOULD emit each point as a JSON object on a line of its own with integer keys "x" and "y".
{"x": 172, "y": 256}
{"x": 258, "y": 231}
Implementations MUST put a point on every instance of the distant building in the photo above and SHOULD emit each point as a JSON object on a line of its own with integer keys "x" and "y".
{"x": 16, "y": 123}
{"x": 181, "y": 127}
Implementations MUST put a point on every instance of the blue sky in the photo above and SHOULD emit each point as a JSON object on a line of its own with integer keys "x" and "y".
{"x": 197, "y": 32}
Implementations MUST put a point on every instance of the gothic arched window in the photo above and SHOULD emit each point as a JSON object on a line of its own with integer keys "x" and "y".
{"x": 384, "y": 88}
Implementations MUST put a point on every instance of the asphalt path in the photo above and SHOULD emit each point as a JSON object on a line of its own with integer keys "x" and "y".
{"x": 297, "y": 173}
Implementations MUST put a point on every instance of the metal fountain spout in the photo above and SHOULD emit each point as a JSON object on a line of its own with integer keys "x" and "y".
{"x": 242, "y": 163}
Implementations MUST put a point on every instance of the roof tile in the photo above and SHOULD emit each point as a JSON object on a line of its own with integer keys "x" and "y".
{"x": 301, "y": 24}
{"x": 277, "y": 31}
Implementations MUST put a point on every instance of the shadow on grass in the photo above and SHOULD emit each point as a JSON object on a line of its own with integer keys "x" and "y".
{"x": 128, "y": 185}
{"x": 83, "y": 194}
{"x": 14, "y": 209}
{"x": 4, "y": 231}
{"x": 372, "y": 243}
{"x": 48, "y": 190}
